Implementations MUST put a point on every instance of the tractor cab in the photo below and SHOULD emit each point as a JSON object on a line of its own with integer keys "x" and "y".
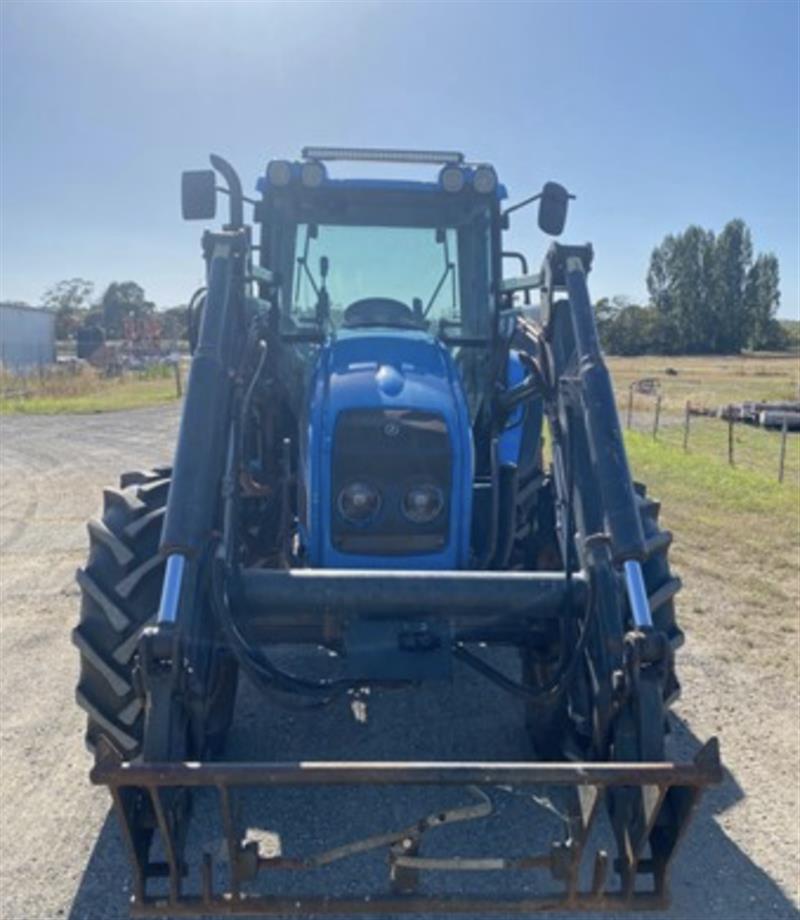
{"x": 388, "y": 327}
{"x": 360, "y": 253}
{"x": 388, "y": 297}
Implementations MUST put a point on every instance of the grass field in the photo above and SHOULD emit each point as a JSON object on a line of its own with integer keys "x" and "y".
{"x": 736, "y": 529}
{"x": 85, "y": 391}
{"x": 711, "y": 382}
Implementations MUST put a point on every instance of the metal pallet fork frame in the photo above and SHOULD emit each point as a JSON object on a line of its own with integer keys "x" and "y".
{"x": 161, "y": 790}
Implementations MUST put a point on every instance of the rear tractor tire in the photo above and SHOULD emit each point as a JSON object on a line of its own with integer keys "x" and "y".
{"x": 120, "y": 589}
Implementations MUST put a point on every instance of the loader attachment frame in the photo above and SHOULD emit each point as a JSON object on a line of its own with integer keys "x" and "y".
{"x": 153, "y": 798}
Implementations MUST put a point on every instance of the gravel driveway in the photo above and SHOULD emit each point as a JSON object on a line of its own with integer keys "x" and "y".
{"x": 60, "y": 853}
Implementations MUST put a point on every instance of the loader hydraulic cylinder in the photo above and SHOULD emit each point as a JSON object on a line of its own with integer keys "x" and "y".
{"x": 171, "y": 589}
{"x": 637, "y": 595}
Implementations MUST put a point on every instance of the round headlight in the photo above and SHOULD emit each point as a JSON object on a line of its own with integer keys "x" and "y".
{"x": 279, "y": 173}
{"x": 452, "y": 178}
{"x": 484, "y": 180}
{"x": 423, "y": 503}
{"x": 359, "y": 502}
{"x": 312, "y": 174}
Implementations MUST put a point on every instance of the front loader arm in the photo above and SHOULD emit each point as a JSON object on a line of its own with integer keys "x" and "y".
{"x": 599, "y": 525}
{"x": 182, "y": 631}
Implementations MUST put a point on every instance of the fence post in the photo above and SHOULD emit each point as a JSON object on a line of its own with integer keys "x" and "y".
{"x": 630, "y": 407}
{"x": 730, "y": 435}
{"x": 657, "y": 416}
{"x": 686, "y": 425}
{"x": 178, "y": 384}
{"x": 782, "y": 461}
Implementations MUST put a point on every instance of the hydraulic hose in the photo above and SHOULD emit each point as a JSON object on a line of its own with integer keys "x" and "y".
{"x": 261, "y": 671}
{"x": 553, "y": 685}
{"x": 486, "y": 556}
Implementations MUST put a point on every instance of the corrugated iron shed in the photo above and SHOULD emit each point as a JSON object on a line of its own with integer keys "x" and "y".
{"x": 27, "y": 337}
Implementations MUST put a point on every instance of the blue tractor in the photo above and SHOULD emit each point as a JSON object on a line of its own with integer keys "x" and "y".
{"x": 387, "y": 453}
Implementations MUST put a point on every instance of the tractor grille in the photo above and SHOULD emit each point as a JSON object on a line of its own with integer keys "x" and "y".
{"x": 392, "y": 450}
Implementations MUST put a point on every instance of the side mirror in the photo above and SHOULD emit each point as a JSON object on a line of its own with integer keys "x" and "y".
{"x": 199, "y": 194}
{"x": 553, "y": 208}
{"x": 324, "y": 265}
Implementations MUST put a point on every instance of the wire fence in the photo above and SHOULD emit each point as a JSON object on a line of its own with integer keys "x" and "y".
{"x": 773, "y": 452}
{"x": 72, "y": 378}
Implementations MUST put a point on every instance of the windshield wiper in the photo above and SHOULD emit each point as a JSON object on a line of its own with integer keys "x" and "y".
{"x": 302, "y": 264}
{"x": 449, "y": 268}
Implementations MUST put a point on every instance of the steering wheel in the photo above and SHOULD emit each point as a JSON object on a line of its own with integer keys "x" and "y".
{"x": 380, "y": 311}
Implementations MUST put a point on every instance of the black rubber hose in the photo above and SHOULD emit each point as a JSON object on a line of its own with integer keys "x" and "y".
{"x": 485, "y": 559}
{"x": 247, "y": 400}
{"x": 261, "y": 671}
{"x": 553, "y": 685}
{"x": 507, "y": 516}
{"x": 192, "y": 328}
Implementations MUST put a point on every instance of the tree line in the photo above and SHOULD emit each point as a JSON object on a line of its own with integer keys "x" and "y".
{"x": 708, "y": 294}
{"x": 75, "y": 306}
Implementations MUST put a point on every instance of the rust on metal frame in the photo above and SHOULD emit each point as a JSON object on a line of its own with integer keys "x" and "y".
{"x": 164, "y": 786}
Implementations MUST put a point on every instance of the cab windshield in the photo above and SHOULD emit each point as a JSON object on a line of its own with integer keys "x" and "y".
{"x": 417, "y": 266}
{"x": 418, "y": 257}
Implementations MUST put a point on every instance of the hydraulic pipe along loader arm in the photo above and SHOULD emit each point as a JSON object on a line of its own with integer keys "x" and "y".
{"x": 359, "y": 469}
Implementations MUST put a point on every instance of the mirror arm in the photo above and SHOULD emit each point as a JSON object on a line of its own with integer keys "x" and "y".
{"x": 522, "y": 204}
{"x": 224, "y": 191}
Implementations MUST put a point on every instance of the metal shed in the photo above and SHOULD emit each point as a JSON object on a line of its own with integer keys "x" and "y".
{"x": 27, "y": 337}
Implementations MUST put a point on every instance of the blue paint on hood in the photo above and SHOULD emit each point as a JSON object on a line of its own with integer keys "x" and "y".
{"x": 390, "y": 368}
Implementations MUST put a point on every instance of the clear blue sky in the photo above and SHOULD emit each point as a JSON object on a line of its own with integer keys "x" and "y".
{"x": 656, "y": 115}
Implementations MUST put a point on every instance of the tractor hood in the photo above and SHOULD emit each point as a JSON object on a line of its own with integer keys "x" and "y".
{"x": 389, "y": 367}
{"x": 386, "y": 407}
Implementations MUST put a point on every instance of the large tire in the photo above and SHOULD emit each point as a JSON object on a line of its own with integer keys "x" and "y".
{"x": 120, "y": 588}
{"x": 547, "y": 720}
{"x": 661, "y": 584}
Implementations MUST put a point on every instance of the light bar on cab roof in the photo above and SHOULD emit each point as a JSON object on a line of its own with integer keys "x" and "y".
{"x": 382, "y": 155}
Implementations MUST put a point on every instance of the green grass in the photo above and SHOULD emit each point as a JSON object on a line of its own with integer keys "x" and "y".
{"x": 711, "y": 382}
{"x": 710, "y": 484}
{"x": 736, "y": 547}
{"x": 88, "y": 393}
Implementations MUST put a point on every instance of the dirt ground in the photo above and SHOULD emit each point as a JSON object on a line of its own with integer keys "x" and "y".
{"x": 60, "y": 852}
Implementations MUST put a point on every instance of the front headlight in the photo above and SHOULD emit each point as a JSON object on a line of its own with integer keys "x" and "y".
{"x": 359, "y": 502}
{"x": 423, "y": 503}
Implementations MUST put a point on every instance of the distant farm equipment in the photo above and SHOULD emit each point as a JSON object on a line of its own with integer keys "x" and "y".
{"x": 766, "y": 414}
